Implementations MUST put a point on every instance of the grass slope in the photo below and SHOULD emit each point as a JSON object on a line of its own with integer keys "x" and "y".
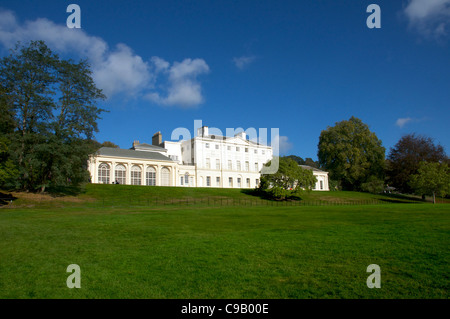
{"x": 225, "y": 252}
{"x": 95, "y": 195}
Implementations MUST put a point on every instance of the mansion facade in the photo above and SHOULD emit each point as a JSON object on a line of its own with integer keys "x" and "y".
{"x": 203, "y": 161}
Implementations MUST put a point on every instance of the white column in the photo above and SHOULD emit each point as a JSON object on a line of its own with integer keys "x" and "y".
{"x": 143, "y": 175}
{"x": 128, "y": 177}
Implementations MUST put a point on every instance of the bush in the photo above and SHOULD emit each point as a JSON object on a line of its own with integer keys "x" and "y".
{"x": 373, "y": 185}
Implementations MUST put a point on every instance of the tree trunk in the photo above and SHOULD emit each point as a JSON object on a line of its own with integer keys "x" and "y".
{"x": 434, "y": 198}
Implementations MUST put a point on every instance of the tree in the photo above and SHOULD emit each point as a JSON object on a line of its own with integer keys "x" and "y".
{"x": 431, "y": 179}
{"x": 289, "y": 181}
{"x": 8, "y": 169}
{"x": 109, "y": 144}
{"x": 308, "y": 161}
{"x": 53, "y": 102}
{"x": 351, "y": 153}
{"x": 405, "y": 157}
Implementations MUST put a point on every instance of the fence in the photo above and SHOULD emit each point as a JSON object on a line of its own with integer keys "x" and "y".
{"x": 184, "y": 202}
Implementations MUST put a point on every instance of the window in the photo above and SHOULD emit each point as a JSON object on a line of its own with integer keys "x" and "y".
{"x": 217, "y": 146}
{"x": 135, "y": 175}
{"x": 256, "y": 167}
{"x": 248, "y": 182}
{"x": 246, "y": 150}
{"x": 181, "y": 180}
{"x": 218, "y": 181}
{"x": 120, "y": 174}
{"x": 165, "y": 177}
{"x": 256, "y": 151}
{"x": 321, "y": 184}
{"x": 229, "y": 148}
{"x": 239, "y": 182}
{"x": 207, "y": 145}
{"x": 150, "y": 176}
{"x": 238, "y": 165}
{"x": 103, "y": 173}
{"x": 230, "y": 165}
{"x": 238, "y": 149}
{"x": 186, "y": 179}
{"x": 208, "y": 163}
{"x": 217, "y": 163}
{"x": 247, "y": 166}
{"x": 230, "y": 181}
{"x": 208, "y": 180}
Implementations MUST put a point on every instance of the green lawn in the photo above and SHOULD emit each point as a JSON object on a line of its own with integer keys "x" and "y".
{"x": 224, "y": 252}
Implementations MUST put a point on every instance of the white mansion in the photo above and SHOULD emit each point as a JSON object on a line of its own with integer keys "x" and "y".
{"x": 203, "y": 161}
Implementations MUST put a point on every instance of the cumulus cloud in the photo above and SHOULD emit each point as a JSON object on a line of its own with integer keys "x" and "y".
{"x": 243, "y": 61}
{"x": 118, "y": 70}
{"x": 183, "y": 88}
{"x": 431, "y": 18}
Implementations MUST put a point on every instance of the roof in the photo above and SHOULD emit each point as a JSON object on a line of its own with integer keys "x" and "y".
{"x": 119, "y": 152}
{"x": 221, "y": 137}
{"x": 149, "y": 147}
{"x": 312, "y": 168}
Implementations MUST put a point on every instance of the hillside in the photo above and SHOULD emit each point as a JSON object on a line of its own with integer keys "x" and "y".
{"x": 128, "y": 195}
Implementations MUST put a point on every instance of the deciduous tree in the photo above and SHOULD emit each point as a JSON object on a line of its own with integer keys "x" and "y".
{"x": 405, "y": 157}
{"x": 351, "y": 153}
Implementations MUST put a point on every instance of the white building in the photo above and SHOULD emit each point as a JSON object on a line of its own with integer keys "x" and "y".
{"x": 203, "y": 161}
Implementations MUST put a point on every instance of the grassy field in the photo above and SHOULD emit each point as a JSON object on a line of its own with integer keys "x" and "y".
{"x": 214, "y": 252}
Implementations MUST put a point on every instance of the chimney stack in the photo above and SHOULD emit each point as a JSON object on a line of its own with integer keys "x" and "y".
{"x": 135, "y": 143}
{"x": 203, "y": 131}
{"x": 157, "y": 139}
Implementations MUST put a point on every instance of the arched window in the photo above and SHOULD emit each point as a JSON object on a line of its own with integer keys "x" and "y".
{"x": 165, "y": 177}
{"x": 136, "y": 175}
{"x": 120, "y": 174}
{"x": 186, "y": 178}
{"x": 103, "y": 173}
{"x": 150, "y": 176}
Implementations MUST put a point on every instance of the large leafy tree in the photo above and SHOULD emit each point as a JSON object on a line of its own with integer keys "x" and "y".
{"x": 351, "y": 153}
{"x": 431, "y": 179}
{"x": 405, "y": 157}
{"x": 53, "y": 102}
{"x": 288, "y": 181}
{"x": 8, "y": 169}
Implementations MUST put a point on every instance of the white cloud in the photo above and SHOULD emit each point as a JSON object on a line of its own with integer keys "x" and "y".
{"x": 116, "y": 71}
{"x": 281, "y": 143}
{"x": 183, "y": 88}
{"x": 403, "y": 121}
{"x": 431, "y": 18}
{"x": 243, "y": 61}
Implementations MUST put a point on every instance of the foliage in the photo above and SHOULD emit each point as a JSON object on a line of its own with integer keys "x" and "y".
{"x": 54, "y": 112}
{"x": 373, "y": 185}
{"x": 431, "y": 179}
{"x": 405, "y": 157}
{"x": 288, "y": 181}
{"x": 351, "y": 153}
{"x": 308, "y": 161}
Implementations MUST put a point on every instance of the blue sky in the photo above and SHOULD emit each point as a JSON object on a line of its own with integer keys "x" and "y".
{"x": 299, "y": 66}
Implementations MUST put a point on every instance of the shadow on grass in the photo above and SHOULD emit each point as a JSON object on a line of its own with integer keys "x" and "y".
{"x": 5, "y": 198}
{"x": 264, "y": 195}
{"x": 61, "y": 191}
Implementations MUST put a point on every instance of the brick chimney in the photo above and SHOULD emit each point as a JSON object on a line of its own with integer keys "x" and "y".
{"x": 157, "y": 139}
{"x": 135, "y": 143}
